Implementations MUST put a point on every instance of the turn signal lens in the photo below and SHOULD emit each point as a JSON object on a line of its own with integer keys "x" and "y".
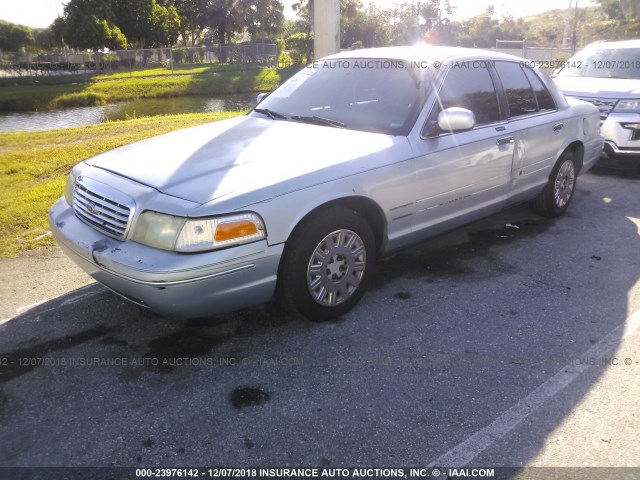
{"x": 235, "y": 229}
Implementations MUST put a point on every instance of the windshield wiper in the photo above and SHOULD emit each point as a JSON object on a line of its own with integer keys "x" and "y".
{"x": 270, "y": 113}
{"x": 318, "y": 120}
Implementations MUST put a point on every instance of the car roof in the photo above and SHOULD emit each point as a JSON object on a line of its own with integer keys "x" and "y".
{"x": 423, "y": 52}
{"x": 614, "y": 45}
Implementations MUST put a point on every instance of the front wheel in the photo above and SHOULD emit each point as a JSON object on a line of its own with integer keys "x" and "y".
{"x": 557, "y": 194}
{"x": 327, "y": 264}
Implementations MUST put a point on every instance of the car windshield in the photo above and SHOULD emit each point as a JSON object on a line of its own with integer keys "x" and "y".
{"x": 604, "y": 63}
{"x": 372, "y": 95}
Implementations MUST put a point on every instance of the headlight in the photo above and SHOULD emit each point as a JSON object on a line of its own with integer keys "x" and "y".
{"x": 68, "y": 189}
{"x": 629, "y": 106}
{"x": 199, "y": 234}
{"x": 158, "y": 230}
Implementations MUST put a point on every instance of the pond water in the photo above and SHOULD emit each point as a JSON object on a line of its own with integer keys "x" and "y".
{"x": 76, "y": 117}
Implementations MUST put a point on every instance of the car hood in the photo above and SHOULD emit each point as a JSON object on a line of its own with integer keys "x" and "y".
{"x": 599, "y": 87}
{"x": 247, "y": 155}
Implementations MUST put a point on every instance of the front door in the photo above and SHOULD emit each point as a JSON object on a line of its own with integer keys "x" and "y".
{"x": 459, "y": 173}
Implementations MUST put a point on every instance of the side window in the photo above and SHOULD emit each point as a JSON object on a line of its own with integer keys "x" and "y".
{"x": 520, "y": 96}
{"x": 544, "y": 98}
{"x": 470, "y": 88}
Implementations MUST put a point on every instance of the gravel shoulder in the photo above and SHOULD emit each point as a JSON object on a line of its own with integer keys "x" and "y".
{"x": 35, "y": 277}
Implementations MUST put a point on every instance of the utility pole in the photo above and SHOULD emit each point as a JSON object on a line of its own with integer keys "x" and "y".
{"x": 326, "y": 28}
{"x": 575, "y": 28}
{"x": 567, "y": 23}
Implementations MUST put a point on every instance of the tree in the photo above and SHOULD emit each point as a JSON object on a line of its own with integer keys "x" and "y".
{"x": 512, "y": 29}
{"x": 292, "y": 26}
{"x": 165, "y": 26}
{"x": 350, "y": 10}
{"x": 14, "y": 37}
{"x": 406, "y": 25}
{"x": 193, "y": 20}
{"x": 263, "y": 19}
{"x": 225, "y": 18}
{"x": 57, "y": 30}
{"x": 620, "y": 9}
{"x": 484, "y": 31}
{"x": 147, "y": 23}
{"x": 102, "y": 34}
{"x": 90, "y": 24}
{"x": 95, "y": 34}
{"x": 134, "y": 18}
{"x": 304, "y": 11}
{"x": 437, "y": 19}
{"x": 370, "y": 28}
{"x": 550, "y": 29}
{"x": 624, "y": 14}
{"x": 436, "y": 14}
{"x": 47, "y": 39}
{"x": 300, "y": 46}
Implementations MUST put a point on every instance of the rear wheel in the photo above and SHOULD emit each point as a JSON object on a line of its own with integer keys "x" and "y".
{"x": 327, "y": 264}
{"x": 557, "y": 194}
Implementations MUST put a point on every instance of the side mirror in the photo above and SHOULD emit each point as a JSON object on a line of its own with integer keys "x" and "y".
{"x": 454, "y": 119}
{"x": 261, "y": 97}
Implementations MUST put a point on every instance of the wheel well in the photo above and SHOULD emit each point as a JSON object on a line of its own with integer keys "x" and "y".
{"x": 578, "y": 150}
{"x": 365, "y": 207}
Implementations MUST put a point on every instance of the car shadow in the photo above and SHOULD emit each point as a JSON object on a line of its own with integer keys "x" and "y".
{"x": 453, "y": 333}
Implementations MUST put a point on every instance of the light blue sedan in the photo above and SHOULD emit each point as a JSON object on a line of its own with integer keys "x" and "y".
{"x": 358, "y": 155}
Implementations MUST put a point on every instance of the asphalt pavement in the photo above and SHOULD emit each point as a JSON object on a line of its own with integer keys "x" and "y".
{"x": 512, "y": 342}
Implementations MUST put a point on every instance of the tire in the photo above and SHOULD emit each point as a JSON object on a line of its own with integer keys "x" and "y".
{"x": 554, "y": 200}
{"x": 327, "y": 264}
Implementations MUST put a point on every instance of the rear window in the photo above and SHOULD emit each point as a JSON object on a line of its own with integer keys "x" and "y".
{"x": 543, "y": 96}
{"x": 520, "y": 96}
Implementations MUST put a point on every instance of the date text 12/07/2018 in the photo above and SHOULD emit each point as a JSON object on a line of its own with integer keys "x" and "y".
{"x": 305, "y": 473}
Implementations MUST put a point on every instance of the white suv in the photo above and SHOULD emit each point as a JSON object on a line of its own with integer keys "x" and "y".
{"x": 607, "y": 74}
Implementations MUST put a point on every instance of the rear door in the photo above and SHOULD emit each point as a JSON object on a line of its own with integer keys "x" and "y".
{"x": 534, "y": 122}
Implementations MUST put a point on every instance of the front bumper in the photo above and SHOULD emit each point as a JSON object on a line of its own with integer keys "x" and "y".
{"x": 170, "y": 283}
{"x": 622, "y": 134}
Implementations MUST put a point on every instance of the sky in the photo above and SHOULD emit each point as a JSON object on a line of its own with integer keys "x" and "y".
{"x": 40, "y": 13}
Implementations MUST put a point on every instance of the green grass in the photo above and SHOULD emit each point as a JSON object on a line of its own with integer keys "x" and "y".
{"x": 162, "y": 71}
{"x": 179, "y": 85}
{"x": 34, "y": 168}
{"x": 40, "y": 97}
{"x": 31, "y": 98}
{"x": 123, "y": 74}
{"x": 44, "y": 79}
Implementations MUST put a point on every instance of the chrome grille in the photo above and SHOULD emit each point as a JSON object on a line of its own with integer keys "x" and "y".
{"x": 605, "y": 105}
{"x": 102, "y": 207}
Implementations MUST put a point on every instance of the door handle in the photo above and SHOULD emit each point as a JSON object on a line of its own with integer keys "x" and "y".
{"x": 504, "y": 141}
{"x": 557, "y": 127}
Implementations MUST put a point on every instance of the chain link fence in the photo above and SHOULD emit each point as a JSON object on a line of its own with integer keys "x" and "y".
{"x": 27, "y": 64}
{"x": 522, "y": 49}
{"x": 14, "y": 64}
